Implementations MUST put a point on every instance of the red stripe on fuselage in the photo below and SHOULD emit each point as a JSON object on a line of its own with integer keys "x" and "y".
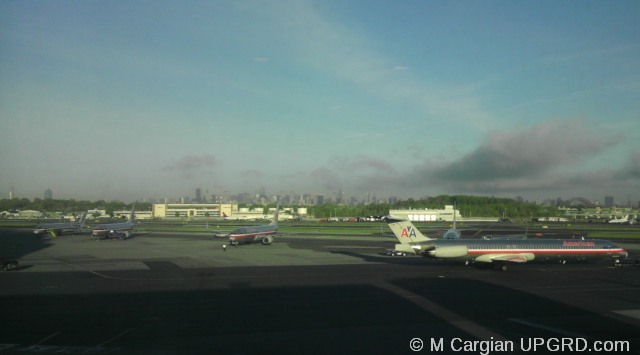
{"x": 250, "y": 235}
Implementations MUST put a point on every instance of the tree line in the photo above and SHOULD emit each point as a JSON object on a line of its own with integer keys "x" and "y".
{"x": 469, "y": 206}
{"x": 69, "y": 206}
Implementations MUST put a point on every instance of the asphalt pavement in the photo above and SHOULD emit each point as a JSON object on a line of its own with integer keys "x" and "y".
{"x": 178, "y": 293}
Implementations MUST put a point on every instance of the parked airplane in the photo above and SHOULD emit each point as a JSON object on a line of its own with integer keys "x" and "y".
{"x": 500, "y": 252}
{"x": 452, "y": 233}
{"x": 622, "y": 220}
{"x": 120, "y": 230}
{"x": 56, "y": 229}
{"x": 250, "y": 234}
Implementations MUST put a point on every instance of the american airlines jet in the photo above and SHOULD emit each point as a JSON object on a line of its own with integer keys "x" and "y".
{"x": 56, "y": 229}
{"x": 500, "y": 252}
{"x": 250, "y": 234}
{"x": 120, "y": 230}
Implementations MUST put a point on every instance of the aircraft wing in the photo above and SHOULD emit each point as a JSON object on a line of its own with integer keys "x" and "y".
{"x": 405, "y": 248}
{"x": 511, "y": 258}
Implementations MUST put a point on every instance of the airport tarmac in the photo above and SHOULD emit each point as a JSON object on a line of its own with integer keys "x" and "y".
{"x": 163, "y": 293}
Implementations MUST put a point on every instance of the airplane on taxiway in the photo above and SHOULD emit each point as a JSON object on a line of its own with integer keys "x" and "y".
{"x": 500, "y": 252}
{"x": 250, "y": 234}
{"x": 56, "y": 229}
{"x": 120, "y": 230}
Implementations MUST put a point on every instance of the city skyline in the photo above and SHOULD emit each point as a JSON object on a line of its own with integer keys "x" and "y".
{"x": 133, "y": 100}
{"x": 260, "y": 196}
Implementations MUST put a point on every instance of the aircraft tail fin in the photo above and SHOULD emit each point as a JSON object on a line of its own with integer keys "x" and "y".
{"x": 275, "y": 216}
{"x": 407, "y": 233}
{"x": 452, "y": 233}
{"x": 454, "y": 215}
{"x": 82, "y": 220}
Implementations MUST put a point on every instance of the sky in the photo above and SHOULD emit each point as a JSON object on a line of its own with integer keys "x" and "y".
{"x": 128, "y": 100}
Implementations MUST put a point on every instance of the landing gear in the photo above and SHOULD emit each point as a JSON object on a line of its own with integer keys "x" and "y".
{"x": 9, "y": 265}
{"x": 500, "y": 267}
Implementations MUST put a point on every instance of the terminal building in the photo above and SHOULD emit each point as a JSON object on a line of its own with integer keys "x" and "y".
{"x": 427, "y": 215}
{"x": 445, "y": 215}
{"x": 193, "y": 210}
{"x": 220, "y": 210}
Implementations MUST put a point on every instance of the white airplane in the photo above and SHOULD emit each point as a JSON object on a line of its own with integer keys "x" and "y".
{"x": 56, "y": 229}
{"x": 500, "y": 252}
{"x": 622, "y": 220}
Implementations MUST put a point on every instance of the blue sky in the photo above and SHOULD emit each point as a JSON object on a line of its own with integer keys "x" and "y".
{"x": 151, "y": 99}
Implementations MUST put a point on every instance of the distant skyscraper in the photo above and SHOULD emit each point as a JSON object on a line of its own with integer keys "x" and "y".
{"x": 48, "y": 194}
{"x": 608, "y": 201}
{"x": 198, "y": 195}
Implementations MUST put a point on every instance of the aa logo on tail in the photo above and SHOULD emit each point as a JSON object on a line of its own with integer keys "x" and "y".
{"x": 408, "y": 232}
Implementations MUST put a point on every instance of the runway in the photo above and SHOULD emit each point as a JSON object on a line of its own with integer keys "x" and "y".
{"x": 182, "y": 293}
